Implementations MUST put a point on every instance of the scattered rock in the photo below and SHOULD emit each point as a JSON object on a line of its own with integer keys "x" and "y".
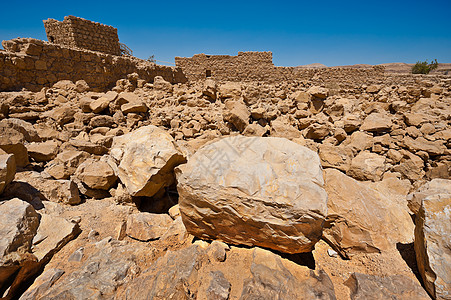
{"x": 145, "y": 160}
{"x": 96, "y": 174}
{"x": 364, "y": 286}
{"x": 367, "y": 166}
{"x": 238, "y": 114}
{"x": 360, "y": 219}
{"x": 7, "y": 170}
{"x": 52, "y": 234}
{"x": 147, "y": 226}
{"x": 377, "y": 122}
{"x": 271, "y": 279}
{"x": 44, "y": 151}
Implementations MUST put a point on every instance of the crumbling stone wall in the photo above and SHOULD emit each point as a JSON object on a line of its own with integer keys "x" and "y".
{"x": 244, "y": 66}
{"x": 258, "y": 66}
{"x": 33, "y": 64}
{"x": 81, "y": 33}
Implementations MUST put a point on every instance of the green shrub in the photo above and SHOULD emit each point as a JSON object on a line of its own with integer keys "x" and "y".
{"x": 423, "y": 67}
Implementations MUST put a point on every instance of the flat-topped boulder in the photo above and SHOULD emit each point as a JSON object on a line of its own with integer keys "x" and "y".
{"x": 254, "y": 191}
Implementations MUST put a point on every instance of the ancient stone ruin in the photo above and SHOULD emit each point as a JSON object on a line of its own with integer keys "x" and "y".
{"x": 80, "y": 33}
{"x": 225, "y": 177}
{"x": 258, "y": 66}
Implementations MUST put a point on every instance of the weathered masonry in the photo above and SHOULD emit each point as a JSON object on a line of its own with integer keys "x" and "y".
{"x": 33, "y": 64}
{"x": 246, "y": 65}
{"x": 258, "y": 66}
{"x": 80, "y": 33}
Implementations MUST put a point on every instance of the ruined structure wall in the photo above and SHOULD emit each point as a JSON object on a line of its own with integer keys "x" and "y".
{"x": 245, "y": 66}
{"x": 33, "y": 64}
{"x": 85, "y": 34}
{"x": 258, "y": 66}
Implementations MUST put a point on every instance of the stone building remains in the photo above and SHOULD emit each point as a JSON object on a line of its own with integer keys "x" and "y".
{"x": 246, "y": 65}
{"x": 258, "y": 66}
{"x": 77, "y": 32}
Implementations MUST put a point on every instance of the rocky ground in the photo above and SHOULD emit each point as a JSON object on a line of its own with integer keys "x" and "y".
{"x": 210, "y": 190}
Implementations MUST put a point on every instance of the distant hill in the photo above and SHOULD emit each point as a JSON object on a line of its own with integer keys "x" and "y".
{"x": 312, "y": 66}
{"x": 389, "y": 67}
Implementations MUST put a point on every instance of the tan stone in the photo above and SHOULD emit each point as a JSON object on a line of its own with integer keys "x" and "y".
{"x": 30, "y": 185}
{"x": 421, "y": 144}
{"x": 238, "y": 114}
{"x": 361, "y": 219}
{"x": 280, "y": 128}
{"x": 52, "y": 234}
{"x": 65, "y": 163}
{"x": 335, "y": 157}
{"x": 147, "y": 226}
{"x": 254, "y": 191}
{"x": 400, "y": 287}
{"x": 12, "y": 142}
{"x": 18, "y": 226}
{"x": 209, "y": 89}
{"x": 7, "y": 170}
{"x": 99, "y": 105}
{"x": 432, "y": 244}
{"x": 317, "y": 131}
{"x": 145, "y": 160}
{"x": 318, "y": 92}
{"x": 134, "y": 107}
{"x": 230, "y": 90}
{"x": 44, "y": 151}
{"x": 367, "y": 166}
{"x": 377, "y": 122}
{"x": 254, "y": 129}
{"x": 62, "y": 114}
{"x": 441, "y": 187}
{"x": 96, "y": 174}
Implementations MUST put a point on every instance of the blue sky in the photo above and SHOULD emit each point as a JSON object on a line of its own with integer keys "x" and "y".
{"x": 297, "y": 32}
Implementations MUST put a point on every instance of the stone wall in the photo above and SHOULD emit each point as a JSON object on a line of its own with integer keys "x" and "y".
{"x": 33, "y": 64}
{"x": 81, "y": 33}
{"x": 245, "y": 66}
{"x": 258, "y": 66}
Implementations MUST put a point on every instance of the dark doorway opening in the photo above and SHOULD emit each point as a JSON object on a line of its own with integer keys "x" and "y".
{"x": 51, "y": 39}
{"x": 208, "y": 73}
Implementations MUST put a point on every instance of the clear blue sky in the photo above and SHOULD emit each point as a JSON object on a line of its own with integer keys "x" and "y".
{"x": 297, "y": 32}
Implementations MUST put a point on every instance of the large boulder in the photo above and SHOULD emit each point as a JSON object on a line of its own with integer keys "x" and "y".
{"x": 254, "y": 191}
{"x": 433, "y": 244}
{"x": 7, "y": 170}
{"x": 361, "y": 219}
{"x": 145, "y": 160}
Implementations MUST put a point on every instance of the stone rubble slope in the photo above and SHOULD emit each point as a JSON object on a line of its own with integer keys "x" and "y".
{"x": 352, "y": 173}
